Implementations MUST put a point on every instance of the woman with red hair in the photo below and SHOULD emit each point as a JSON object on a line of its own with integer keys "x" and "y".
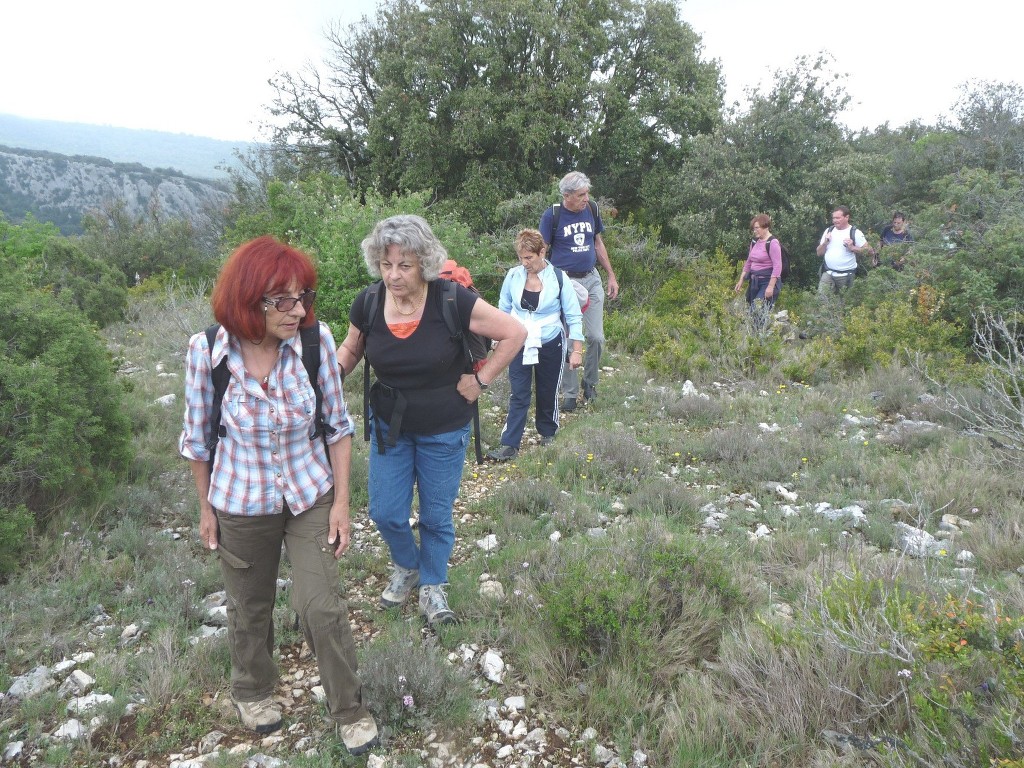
{"x": 272, "y": 480}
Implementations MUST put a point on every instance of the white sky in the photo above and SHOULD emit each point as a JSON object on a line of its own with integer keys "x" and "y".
{"x": 202, "y": 67}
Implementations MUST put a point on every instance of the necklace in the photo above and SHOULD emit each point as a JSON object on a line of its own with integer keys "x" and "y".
{"x": 416, "y": 304}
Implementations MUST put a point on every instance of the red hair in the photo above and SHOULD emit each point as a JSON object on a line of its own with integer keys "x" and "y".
{"x": 256, "y": 269}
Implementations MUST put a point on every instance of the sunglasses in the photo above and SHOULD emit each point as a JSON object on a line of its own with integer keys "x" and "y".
{"x": 287, "y": 303}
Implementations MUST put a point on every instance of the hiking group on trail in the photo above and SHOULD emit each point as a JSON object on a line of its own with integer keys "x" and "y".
{"x": 268, "y": 435}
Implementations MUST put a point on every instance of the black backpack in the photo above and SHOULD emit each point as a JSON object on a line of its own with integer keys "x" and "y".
{"x": 311, "y": 362}
{"x": 556, "y": 213}
{"x": 474, "y": 350}
{"x": 785, "y": 272}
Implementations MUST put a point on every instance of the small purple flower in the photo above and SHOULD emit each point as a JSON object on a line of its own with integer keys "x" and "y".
{"x": 407, "y": 701}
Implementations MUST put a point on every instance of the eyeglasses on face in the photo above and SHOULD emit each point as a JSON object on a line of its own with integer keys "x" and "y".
{"x": 287, "y": 303}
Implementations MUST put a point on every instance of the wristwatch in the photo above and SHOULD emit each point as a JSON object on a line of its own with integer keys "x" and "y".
{"x": 483, "y": 387}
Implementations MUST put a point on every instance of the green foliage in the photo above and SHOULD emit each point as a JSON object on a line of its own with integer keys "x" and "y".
{"x": 623, "y": 604}
{"x": 787, "y": 156}
{"x": 15, "y": 527}
{"x": 896, "y": 329}
{"x": 468, "y": 101}
{"x": 64, "y": 434}
{"x": 321, "y": 216}
{"x": 43, "y": 259}
{"x": 148, "y": 244}
{"x": 410, "y": 685}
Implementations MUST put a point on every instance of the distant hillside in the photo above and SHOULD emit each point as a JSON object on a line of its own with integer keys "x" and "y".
{"x": 192, "y": 155}
{"x": 60, "y": 189}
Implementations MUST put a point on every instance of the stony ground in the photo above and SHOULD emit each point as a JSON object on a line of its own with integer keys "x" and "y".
{"x": 512, "y": 729}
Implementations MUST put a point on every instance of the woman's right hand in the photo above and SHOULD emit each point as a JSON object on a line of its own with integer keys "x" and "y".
{"x": 207, "y": 526}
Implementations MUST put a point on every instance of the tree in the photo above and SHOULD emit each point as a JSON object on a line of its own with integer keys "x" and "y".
{"x": 37, "y": 255}
{"x": 477, "y": 100}
{"x": 786, "y": 156}
{"x": 990, "y": 119}
{"x": 148, "y": 244}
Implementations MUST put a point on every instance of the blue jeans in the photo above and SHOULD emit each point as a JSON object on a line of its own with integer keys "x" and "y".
{"x": 434, "y": 463}
{"x": 547, "y": 371}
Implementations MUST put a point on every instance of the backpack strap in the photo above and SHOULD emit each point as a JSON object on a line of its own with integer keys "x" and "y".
{"x": 556, "y": 213}
{"x": 311, "y": 362}
{"x": 220, "y": 376}
{"x": 450, "y": 312}
{"x": 561, "y": 277}
{"x": 371, "y": 306}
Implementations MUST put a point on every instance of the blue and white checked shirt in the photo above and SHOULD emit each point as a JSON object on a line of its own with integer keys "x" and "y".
{"x": 266, "y": 457}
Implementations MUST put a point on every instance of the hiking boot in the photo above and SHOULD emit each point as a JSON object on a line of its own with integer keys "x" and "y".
{"x": 589, "y": 393}
{"x": 262, "y": 716}
{"x": 546, "y": 440}
{"x": 360, "y": 736}
{"x": 568, "y": 405}
{"x": 504, "y": 453}
{"x": 403, "y": 582}
{"x": 434, "y": 605}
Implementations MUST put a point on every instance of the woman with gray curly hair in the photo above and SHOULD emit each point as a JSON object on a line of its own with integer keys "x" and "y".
{"x": 422, "y": 402}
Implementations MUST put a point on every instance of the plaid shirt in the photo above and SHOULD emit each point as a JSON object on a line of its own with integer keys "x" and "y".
{"x": 266, "y": 457}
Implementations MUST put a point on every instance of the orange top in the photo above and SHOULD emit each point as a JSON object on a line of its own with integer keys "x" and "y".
{"x": 403, "y": 330}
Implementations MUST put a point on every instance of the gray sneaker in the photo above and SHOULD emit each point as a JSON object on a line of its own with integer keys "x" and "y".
{"x": 504, "y": 453}
{"x": 546, "y": 440}
{"x": 434, "y": 605}
{"x": 262, "y": 716}
{"x": 403, "y": 582}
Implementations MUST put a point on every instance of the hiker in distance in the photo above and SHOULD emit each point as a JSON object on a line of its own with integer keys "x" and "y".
{"x": 422, "y": 402}
{"x": 763, "y": 265}
{"x": 572, "y": 231}
{"x": 542, "y": 298}
{"x": 274, "y": 477}
{"x": 839, "y": 248}
{"x": 896, "y": 234}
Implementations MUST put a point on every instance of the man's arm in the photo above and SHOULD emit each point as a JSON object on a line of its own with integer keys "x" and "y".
{"x": 606, "y": 264}
{"x": 823, "y": 244}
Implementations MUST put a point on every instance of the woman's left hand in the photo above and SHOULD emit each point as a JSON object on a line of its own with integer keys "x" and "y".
{"x": 769, "y": 291}
{"x": 469, "y": 388}
{"x": 338, "y": 528}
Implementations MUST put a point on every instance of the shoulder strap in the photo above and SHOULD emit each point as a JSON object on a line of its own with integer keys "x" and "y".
{"x": 220, "y": 376}
{"x": 452, "y": 319}
{"x": 593, "y": 211}
{"x": 311, "y": 362}
{"x": 371, "y": 305}
{"x": 556, "y": 214}
{"x": 561, "y": 276}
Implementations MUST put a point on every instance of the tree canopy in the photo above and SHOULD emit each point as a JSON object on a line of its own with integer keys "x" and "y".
{"x": 477, "y": 100}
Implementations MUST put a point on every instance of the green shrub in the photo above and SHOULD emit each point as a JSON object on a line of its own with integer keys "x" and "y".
{"x": 64, "y": 435}
{"x": 15, "y": 526}
{"x": 896, "y": 329}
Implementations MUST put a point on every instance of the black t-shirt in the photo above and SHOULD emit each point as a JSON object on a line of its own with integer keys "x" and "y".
{"x": 425, "y": 367}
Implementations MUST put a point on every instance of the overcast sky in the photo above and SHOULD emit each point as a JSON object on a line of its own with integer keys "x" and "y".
{"x": 202, "y": 67}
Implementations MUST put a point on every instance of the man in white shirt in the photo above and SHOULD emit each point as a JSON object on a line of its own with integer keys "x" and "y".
{"x": 840, "y": 246}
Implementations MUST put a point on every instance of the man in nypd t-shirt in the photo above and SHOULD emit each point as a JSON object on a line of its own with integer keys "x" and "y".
{"x": 577, "y": 248}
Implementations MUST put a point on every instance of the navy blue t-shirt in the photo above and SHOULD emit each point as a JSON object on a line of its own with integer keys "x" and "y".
{"x": 573, "y": 246}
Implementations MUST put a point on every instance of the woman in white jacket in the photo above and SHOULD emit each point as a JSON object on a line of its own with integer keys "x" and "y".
{"x": 546, "y": 303}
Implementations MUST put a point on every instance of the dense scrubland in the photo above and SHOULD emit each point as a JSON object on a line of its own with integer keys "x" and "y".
{"x": 811, "y": 555}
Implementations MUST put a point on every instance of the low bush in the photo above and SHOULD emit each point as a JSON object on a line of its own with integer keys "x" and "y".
{"x": 65, "y": 435}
